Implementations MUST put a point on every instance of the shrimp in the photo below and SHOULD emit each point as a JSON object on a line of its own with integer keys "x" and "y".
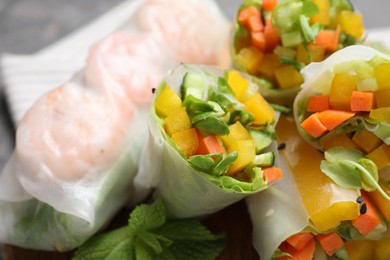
{"x": 196, "y": 30}
{"x": 71, "y": 130}
{"x": 128, "y": 63}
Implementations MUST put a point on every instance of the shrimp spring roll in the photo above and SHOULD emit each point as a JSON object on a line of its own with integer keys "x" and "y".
{"x": 274, "y": 41}
{"x": 78, "y": 147}
{"x": 307, "y": 214}
{"x": 211, "y": 141}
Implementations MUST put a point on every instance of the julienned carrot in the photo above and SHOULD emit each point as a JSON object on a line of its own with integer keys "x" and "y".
{"x": 271, "y": 36}
{"x": 330, "y": 242}
{"x": 305, "y": 253}
{"x": 313, "y": 126}
{"x": 272, "y": 174}
{"x": 332, "y": 118}
{"x": 209, "y": 145}
{"x": 329, "y": 39}
{"x": 318, "y": 103}
{"x": 300, "y": 240}
{"x": 245, "y": 14}
{"x": 362, "y": 101}
{"x": 258, "y": 40}
{"x": 369, "y": 219}
{"x": 269, "y": 5}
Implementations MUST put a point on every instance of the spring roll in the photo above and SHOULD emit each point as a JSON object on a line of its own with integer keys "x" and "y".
{"x": 274, "y": 41}
{"x": 211, "y": 141}
{"x": 307, "y": 214}
{"x": 348, "y": 96}
{"x": 78, "y": 147}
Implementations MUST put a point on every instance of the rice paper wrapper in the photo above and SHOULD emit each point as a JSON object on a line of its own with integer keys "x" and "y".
{"x": 318, "y": 78}
{"x": 186, "y": 192}
{"x": 276, "y": 214}
{"x": 72, "y": 169}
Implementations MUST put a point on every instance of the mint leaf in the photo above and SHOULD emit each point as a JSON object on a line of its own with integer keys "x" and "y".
{"x": 111, "y": 245}
{"x": 148, "y": 236}
{"x": 192, "y": 240}
{"x": 146, "y": 217}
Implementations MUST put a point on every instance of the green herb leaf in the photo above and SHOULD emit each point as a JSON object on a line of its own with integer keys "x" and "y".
{"x": 309, "y": 8}
{"x": 370, "y": 167}
{"x": 307, "y": 33}
{"x": 205, "y": 163}
{"x": 146, "y": 217}
{"x": 209, "y": 124}
{"x": 223, "y": 166}
{"x": 342, "y": 174}
{"x": 149, "y": 236}
{"x": 191, "y": 235}
{"x": 196, "y": 106}
{"x": 111, "y": 245}
{"x": 350, "y": 169}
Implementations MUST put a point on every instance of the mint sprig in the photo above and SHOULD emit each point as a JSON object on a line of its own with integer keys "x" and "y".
{"x": 149, "y": 235}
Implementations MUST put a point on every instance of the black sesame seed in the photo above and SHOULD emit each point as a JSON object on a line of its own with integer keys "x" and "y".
{"x": 359, "y": 200}
{"x": 282, "y": 146}
{"x": 153, "y": 90}
{"x": 363, "y": 208}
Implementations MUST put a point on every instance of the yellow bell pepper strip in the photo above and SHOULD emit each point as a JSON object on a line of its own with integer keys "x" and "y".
{"x": 320, "y": 195}
{"x": 351, "y": 23}
{"x": 177, "y": 121}
{"x": 187, "y": 140}
{"x": 167, "y": 102}
{"x": 382, "y": 75}
{"x": 380, "y": 156}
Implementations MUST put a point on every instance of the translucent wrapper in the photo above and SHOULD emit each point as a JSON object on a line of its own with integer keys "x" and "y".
{"x": 276, "y": 214}
{"x": 304, "y": 200}
{"x": 187, "y": 192}
{"x": 318, "y": 80}
{"x": 78, "y": 147}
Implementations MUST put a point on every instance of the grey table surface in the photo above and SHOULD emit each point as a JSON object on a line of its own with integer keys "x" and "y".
{"x": 26, "y": 26}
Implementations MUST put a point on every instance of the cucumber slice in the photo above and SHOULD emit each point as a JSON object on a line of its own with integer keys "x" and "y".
{"x": 263, "y": 139}
{"x": 264, "y": 159}
{"x": 193, "y": 84}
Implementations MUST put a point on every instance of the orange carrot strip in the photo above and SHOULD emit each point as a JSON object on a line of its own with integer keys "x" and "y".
{"x": 209, "y": 145}
{"x": 271, "y": 36}
{"x": 314, "y": 126}
{"x": 330, "y": 242}
{"x": 300, "y": 240}
{"x": 318, "y": 103}
{"x": 362, "y": 101}
{"x": 305, "y": 253}
{"x": 258, "y": 40}
{"x": 255, "y": 24}
{"x": 329, "y": 39}
{"x": 245, "y": 14}
{"x": 269, "y": 5}
{"x": 332, "y": 118}
{"x": 366, "y": 222}
{"x": 272, "y": 174}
